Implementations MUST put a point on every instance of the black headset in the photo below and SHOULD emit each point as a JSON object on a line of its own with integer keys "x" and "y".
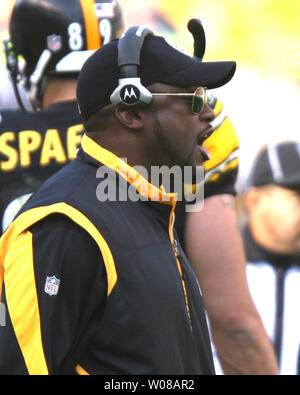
{"x": 130, "y": 91}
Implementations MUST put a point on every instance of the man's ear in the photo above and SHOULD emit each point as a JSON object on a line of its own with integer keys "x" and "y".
{"x": 131, "y": 118}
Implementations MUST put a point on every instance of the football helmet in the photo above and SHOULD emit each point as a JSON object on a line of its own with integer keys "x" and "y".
{"x": 57, "y": 36}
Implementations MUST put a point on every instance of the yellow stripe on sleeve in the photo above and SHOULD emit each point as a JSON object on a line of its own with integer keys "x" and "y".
{"x": 22, "y": 303}
{"x": 82, "y": 372}
{"x": 34, "y": 215}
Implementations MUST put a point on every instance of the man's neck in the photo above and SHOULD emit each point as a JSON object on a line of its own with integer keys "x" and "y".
{"x": 127, "y": 147}
{"x": 58, "y": 90}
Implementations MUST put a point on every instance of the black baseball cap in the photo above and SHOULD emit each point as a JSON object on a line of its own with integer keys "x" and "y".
{"x": 277, "y": 164}
{"x": 160, "y": 62}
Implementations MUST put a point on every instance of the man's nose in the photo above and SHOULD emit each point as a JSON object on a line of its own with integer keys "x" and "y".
{"x": 207, "y": 114}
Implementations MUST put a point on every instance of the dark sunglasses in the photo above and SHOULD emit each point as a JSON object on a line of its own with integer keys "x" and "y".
{"x": 199, "y": 98}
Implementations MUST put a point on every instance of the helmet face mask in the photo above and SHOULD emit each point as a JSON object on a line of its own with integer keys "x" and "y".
{"x": 57, "y": 36}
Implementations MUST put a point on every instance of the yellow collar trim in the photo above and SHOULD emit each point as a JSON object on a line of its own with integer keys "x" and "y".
{"x": 115, "y": 163}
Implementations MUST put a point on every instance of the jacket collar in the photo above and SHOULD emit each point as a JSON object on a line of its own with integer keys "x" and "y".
{"x": 132, "y": 176}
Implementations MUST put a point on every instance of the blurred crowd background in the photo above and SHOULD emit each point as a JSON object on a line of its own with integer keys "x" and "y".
{"x": 263, "y": 36}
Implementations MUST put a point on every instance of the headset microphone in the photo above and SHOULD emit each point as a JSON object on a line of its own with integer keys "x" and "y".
{"x": 196, "y": 28}
{"x": 130, "y": 91}
{"x": 13, "y": 69}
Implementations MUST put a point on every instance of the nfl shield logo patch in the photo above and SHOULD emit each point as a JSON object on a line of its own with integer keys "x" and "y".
{"x": 52, "y": 285}
{"x": 54, "y": 43}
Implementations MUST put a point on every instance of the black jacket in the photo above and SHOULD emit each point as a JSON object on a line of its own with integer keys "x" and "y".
{"x": 143, "y": 314}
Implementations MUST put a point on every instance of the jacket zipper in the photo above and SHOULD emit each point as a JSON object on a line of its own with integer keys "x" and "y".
{"x": 177, "y": 257}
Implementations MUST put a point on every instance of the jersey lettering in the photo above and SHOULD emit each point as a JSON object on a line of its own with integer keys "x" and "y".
{"x": 73, "y": 140}
{"x": 8, "y": 151}
{"x": 29, "y": 142}
{"x": 52, "y": 148}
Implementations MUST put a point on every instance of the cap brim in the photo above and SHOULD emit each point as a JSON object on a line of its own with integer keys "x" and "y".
{"x": 207, "y": 74}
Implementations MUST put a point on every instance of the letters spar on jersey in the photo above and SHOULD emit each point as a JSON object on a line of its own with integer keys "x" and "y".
{"x": 33, "y": 146}
{"x": 54, "y": 36}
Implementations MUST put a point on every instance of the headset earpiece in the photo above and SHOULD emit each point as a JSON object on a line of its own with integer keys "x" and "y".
{"x": 130, "y": 91}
